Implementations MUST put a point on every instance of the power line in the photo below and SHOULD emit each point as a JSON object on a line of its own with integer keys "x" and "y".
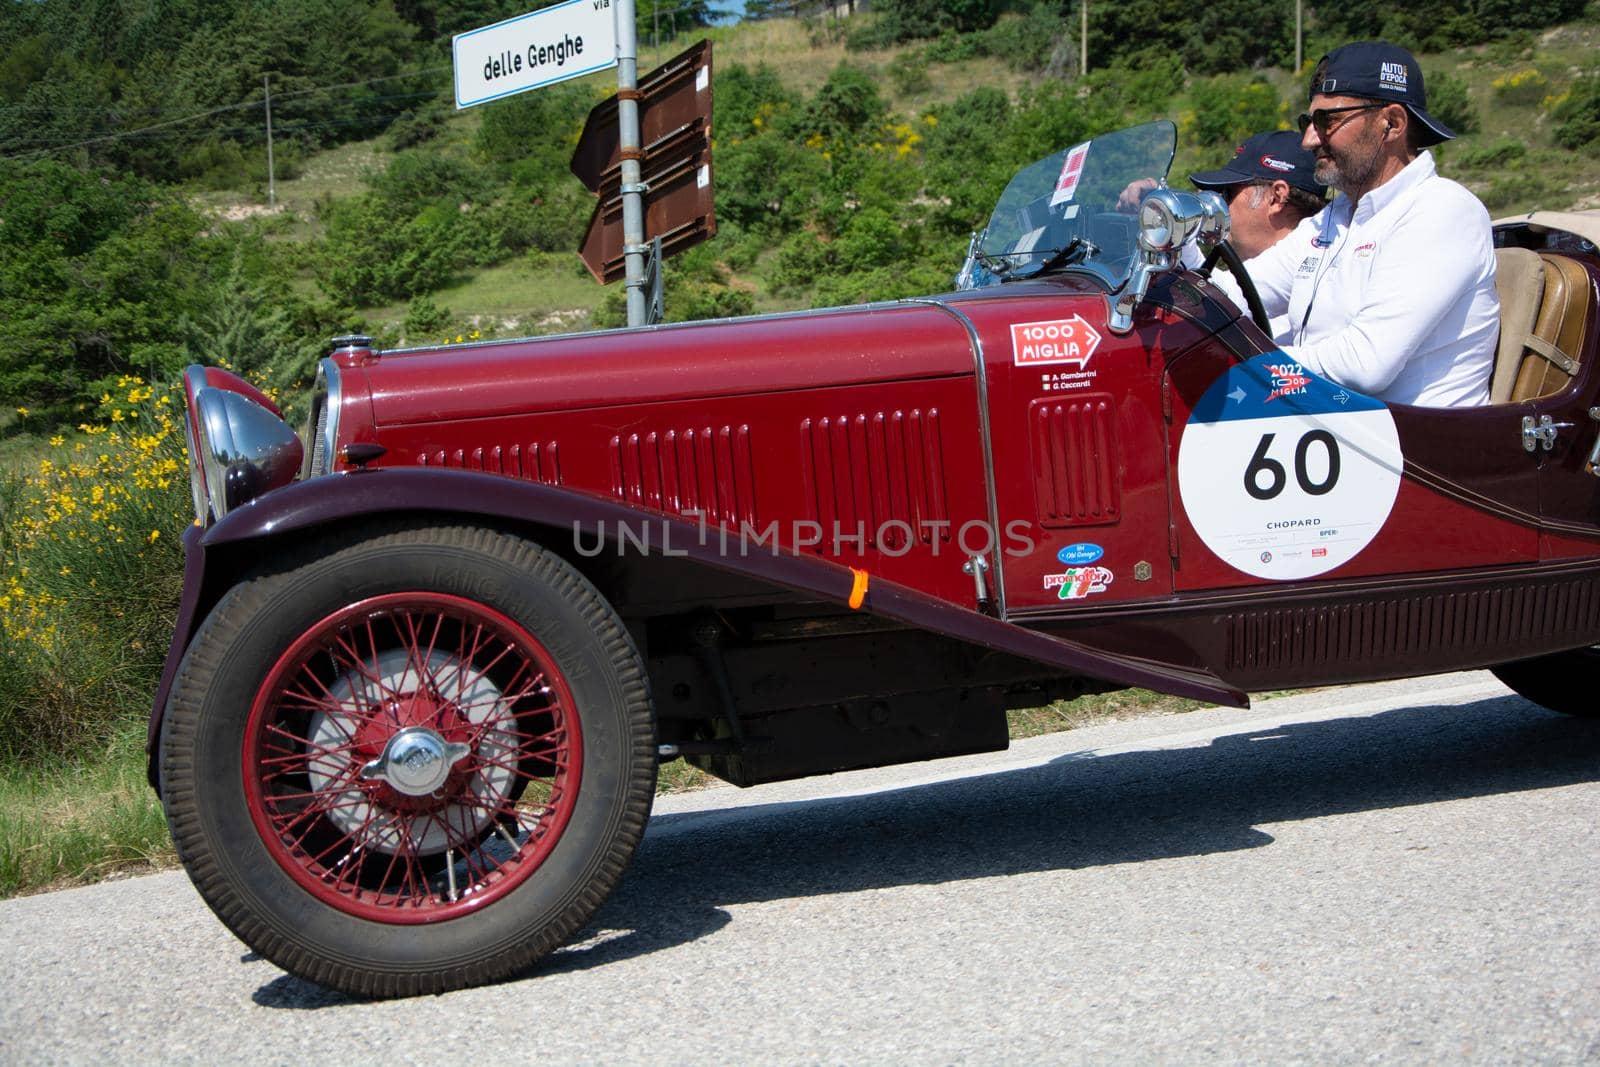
{"x": 146, "y": 130}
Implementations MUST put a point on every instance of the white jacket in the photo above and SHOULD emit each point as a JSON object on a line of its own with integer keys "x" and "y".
{"x": 1394, "y": 299}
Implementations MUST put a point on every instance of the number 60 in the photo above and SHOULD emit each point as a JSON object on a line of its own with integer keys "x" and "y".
{"x": 1261, "y": 463}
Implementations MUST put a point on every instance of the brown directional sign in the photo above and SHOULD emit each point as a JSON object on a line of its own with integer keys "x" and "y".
{"x": 678, "y": 207}
{"x": 674, "y": 95}
{"x": 675, "y": 139}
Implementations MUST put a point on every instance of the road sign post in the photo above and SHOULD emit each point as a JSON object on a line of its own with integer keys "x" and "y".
{"x": 633, "y": 246}
{"x": 672, "y": 104}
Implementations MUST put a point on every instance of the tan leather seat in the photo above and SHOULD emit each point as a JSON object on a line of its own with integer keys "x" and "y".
{"x": 1519, "y": 278}
{"x": 1556, "y": 344}
{"x": 1545, "y": 304}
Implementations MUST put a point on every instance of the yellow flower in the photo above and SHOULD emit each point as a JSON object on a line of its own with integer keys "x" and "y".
{"x": 22, "y": 412}
{"x": 154, "y": 535}
{"x": 57, "y": 441}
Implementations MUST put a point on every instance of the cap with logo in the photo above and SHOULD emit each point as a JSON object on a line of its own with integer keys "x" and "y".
{"x": 1270, "y": 156}
{"x": 1378, "y": 70}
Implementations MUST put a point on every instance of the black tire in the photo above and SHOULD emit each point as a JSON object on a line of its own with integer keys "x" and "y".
{"x": 1561, "y": 681}
{"x": 238, "y": 717}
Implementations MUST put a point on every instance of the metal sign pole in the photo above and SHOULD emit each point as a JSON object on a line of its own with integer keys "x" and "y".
{"x": 633, "y": 246}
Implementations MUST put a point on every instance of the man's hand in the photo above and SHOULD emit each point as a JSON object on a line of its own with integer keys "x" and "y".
{"x": 1134, "y": 194}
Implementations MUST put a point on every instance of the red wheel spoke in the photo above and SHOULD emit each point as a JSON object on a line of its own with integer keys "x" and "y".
{"x": 311, "y": 747}
{"x": 421, "y": 665}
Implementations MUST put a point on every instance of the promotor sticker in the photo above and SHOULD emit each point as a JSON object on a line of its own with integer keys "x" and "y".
{"x": 1284, "y": 474}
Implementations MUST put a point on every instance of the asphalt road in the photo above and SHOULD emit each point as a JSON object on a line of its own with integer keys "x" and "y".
{"x": 1400, "y": 872}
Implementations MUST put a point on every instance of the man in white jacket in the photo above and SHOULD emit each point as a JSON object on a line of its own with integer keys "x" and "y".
{"x": 1389, "y": 290}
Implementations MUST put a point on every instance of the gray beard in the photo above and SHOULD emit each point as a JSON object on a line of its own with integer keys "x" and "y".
{"x": 1353, "y": 174}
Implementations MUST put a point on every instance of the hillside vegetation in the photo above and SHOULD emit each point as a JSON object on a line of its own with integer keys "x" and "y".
{"x": 852, "y": 157}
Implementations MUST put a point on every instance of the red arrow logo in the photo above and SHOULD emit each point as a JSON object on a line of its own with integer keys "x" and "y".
{"x": 1070, "y": 341}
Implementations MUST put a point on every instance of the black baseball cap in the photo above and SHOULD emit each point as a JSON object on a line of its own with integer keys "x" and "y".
{"x": 1378, "y": 70}
{"x": 1269, "y": 156}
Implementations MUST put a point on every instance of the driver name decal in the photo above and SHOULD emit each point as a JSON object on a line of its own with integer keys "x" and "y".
{"x": 1071, "y": 341}
{"x": 1071, "y": 171}
{"x": 1285, "y": 475}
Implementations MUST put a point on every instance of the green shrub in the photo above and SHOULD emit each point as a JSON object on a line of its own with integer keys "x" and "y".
{"x": 1451, "y": 103}
{"x": 909, "y": 73}
{"x": 1524, "y": 190}
{"x": 90, "y": 571}
{"x": 1577, "y": 117}
{"x": 744, "y": 95}
{"x": 371, "y": 255}
{"x": 424, "y": 318}
{"x": 1025, "y": 43}
{"x": 1497, "y": 153}
{"x": 1520, "y": 87}
{"x": 1228, "y": 109}
{"x": 418, "y": 127}
{"x": 952, "y": 47}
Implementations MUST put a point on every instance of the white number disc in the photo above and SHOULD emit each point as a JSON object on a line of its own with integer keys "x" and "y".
{"x": 1286, "y": 475}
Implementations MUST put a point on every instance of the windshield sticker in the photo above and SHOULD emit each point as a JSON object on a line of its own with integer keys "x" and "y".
{"x": 1285, "y": 475}
{"x": 1071, "y": 171}
{"x": 1075, "y": 583}
{"x": 1070, "y": 341}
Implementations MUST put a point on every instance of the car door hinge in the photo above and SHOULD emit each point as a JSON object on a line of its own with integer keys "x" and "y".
{"x": 1543, "y": 432}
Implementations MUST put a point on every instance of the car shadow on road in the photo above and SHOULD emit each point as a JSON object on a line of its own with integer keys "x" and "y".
{"x": 1081, "y": 810}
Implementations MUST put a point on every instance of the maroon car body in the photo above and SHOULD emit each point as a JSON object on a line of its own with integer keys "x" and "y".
{"x": 822, "y": 540}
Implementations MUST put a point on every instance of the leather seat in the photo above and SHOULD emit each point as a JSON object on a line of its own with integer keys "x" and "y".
{"x": 1545, "y": 304}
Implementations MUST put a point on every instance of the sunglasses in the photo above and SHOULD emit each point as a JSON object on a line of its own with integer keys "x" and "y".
{"x": 1230, "y": 193}
{"x": 1323, "y": 120}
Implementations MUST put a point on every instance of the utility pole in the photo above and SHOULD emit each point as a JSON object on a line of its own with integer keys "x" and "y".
{"x": 1299, "y": 41}
{"x": 1083, "y": 43}
{"x": 272, "y": 182}
{"x": 633, "y": 246}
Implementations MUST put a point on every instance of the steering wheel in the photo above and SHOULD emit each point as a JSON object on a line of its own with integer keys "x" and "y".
{"x": 1247, "y": 286}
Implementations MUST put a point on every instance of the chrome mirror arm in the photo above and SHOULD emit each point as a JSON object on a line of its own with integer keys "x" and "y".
{"x": 964, "y": 276}
{"x": 1151, "y": 264}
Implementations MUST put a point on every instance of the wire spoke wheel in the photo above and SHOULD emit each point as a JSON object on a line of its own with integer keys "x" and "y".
{"x": 412, "y": 757}
{"x": 441, "y": 731}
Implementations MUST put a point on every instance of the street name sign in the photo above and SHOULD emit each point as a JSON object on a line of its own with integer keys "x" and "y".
{"x": 554, "y": 44}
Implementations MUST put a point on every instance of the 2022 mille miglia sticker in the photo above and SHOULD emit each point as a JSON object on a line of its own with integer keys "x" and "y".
{"x": 1284, "y": 474}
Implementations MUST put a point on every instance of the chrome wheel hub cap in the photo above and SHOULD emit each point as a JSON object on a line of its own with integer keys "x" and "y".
{"x": 416, "y": 761}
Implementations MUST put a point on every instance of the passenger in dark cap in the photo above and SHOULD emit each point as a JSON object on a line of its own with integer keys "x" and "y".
{"x": 1269, "y": 188}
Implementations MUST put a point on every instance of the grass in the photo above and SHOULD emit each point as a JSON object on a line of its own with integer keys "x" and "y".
{"x": 80, "y": 822}
{"x": 520, "y": 298}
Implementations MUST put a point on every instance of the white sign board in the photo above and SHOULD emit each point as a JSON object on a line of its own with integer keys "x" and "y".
{"x": 541, "y": 48}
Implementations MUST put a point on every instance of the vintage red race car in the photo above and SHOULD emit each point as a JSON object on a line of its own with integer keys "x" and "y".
{"x": 426, "y": 667}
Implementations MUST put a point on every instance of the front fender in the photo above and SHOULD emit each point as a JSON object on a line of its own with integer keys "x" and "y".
{"x": 338, "y": 498}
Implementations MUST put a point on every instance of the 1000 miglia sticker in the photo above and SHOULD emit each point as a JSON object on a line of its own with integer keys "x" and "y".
{"x": 1285, "y": 474}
